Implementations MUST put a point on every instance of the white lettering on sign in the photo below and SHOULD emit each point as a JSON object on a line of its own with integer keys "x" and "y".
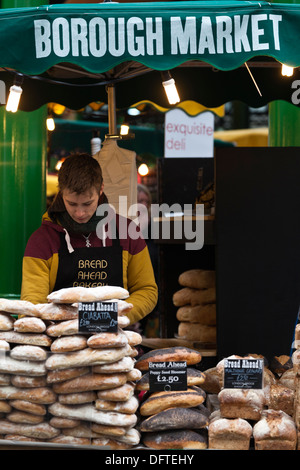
{"x": 229, "y": 35}
{"x": 187, "y": 136}
{"x": 145, "y": 36}
{"x": 98, "y": 37}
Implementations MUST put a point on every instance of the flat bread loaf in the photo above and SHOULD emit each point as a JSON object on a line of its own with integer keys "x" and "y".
{"x": 18, "y": 307}
{"x": 176, "y": 353}
{"x": 160, "y": 401}
{"x": 72, "y": 295}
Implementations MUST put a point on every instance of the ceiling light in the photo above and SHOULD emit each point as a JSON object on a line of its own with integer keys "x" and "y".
{"x": 170, "y": 87}
{"x": 14, "y": 96}
{"x": 286, "y": 70}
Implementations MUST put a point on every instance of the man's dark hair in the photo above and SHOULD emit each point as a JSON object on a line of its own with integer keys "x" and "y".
{"x": 79, "y": 173}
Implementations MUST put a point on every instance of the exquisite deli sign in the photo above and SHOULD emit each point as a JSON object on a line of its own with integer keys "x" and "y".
{"x": 137, "y": 36}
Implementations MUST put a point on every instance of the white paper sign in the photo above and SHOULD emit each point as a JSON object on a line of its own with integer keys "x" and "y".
{"x": 189, "y": 136}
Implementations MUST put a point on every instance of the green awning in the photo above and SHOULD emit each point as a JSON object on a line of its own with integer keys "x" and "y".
{"x": 68, "y": 53}
{"x": 161, "y": 36}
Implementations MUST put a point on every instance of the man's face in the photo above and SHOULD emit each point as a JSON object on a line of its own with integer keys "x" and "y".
{"x": 81, "y": 207}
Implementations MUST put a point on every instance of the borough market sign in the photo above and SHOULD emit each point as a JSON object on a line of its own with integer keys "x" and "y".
{"x": 159, "y": 35}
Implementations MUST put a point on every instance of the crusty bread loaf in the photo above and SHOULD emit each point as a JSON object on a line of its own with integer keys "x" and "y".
{"x": 275, "y": 431}
{"x": 229, "y": 434}
{"x": 121, "y": 393}
{"x": 42, "y": 395}
{"x": 241, "y": 403}
{"x": 29, "y": 407}
{"x": 62, "y": 423}
{"x": 24, "y": 381}
{"x": 197, "y": 278}
{"x": 57, "y": 312}
{"x": 160, "y": 401}
{"x": 108, "y": 340}
{"x": 287, "y": 379}
{"x": 56, "y": 376}
{"x": 126, "y": 364}
{"x": 77, "y": 398}
{"x": 188, "y": 296}
{"x": 41, "y": 431}
{"x": 211, "y": 383}
{"x": 176, "y": 353}
{"x": 204, "y": 314}
{"x": 6, "y": 321}
{"x": 69, "y": 343}
{"x": 197, "y": 332}
{"x": 90, "y": 382}
{"x": 12, "y": 366}
{"x": 88, "y": 413}
{"x": 26, "y": 352}
{"x": 280, "y": 397}
{"x": 37, "y": 339}
{"x": 108, "y": 430}
{"x": 72, "y": 295}
{"x": 85, "y": 357}
{"x": 18, "y": 307}
{"x": 29, "y": 325}
{"x": 5, "y": 379}
{"x": 175, "y": 418}
{"x": 128, "y": 406}
{"x": 71, "y": 440}
{"x": 194, "y": 377}
{"x": 66, "y": 327}
{"x": 23, "y": 417}
{"x": 181, "y": 439}
{"x": 4, "y": 345}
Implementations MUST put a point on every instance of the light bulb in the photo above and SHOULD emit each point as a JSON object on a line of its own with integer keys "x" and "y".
{"x": 286, "y": 70}
{"x": 171, "y": 91}
{"x": 143, "y": 169}
{"x": 124, "y": 129}
{"x": 13, "y": 100}
{"x": 50, "y": 124}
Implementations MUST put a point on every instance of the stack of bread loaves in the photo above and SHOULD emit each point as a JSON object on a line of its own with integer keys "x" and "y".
{"x": 173, "y": 419}
{"x": 263, "y": 413}
{"x": 76, "y": 388}
{"x": 296, "y": 368}
{"x": 196, "y": 302}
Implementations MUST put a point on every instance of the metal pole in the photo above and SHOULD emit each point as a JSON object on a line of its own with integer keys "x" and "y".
{"x": 112, "y": 117}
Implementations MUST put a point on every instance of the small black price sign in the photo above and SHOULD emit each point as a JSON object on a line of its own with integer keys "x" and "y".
{"x": 167, "y": 376}
{"x": 97, "y": 317}
{"x": 243, "y": 373}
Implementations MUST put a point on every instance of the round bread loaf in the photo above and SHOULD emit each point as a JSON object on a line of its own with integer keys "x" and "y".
{"x": 182, "y": 439}
{"x": 229, "y": 434}
{"x": 197, "y": 278}
{"x": 197, "y": 332}
{"x": 275, "y": 431}
{"x": 188, "y": 296}
{"x": 204, "y": 314}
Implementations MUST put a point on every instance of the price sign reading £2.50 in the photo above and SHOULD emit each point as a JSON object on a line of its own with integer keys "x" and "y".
{"x": 167, "y": 376}
{"x": 243, "y": 373}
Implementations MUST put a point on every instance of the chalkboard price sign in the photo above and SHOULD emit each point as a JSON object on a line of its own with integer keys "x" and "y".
{"x": 97, "y": 317}
{"x": 243, "y": 373}
{"x": 167, "y": 376}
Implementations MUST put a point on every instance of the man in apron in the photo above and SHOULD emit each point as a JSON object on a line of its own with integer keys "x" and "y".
{"x": 67, "y": 251}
